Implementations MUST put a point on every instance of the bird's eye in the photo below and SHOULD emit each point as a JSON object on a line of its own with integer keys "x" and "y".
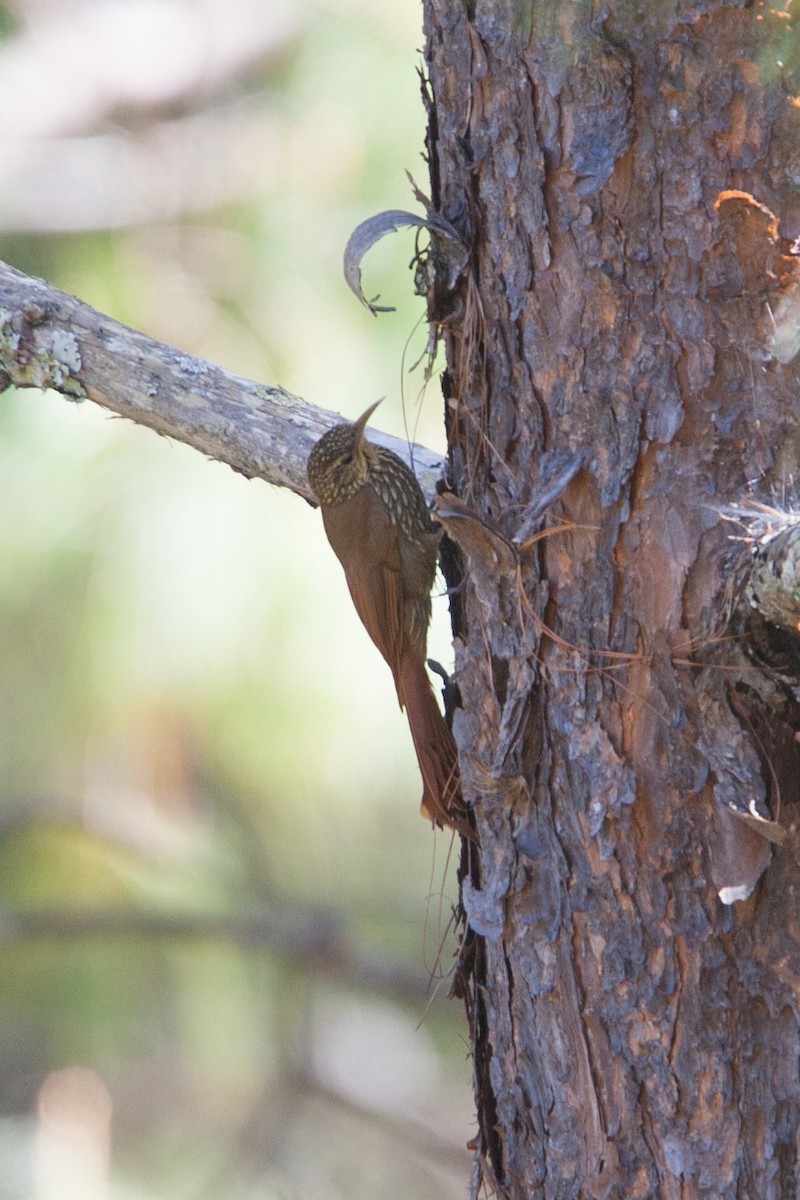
{"x": 348, "y": 458}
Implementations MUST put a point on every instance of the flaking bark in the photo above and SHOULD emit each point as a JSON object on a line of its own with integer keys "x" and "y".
{"x": 633, "y": 1035}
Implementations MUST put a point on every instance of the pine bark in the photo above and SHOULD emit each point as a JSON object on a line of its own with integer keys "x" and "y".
{"x": 613, "y": 172}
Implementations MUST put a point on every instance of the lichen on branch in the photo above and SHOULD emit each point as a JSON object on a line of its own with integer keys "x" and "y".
{"x": 49, "y": 339}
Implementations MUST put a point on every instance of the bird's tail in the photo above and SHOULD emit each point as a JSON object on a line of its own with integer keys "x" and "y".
{"x": 436, "y": 750}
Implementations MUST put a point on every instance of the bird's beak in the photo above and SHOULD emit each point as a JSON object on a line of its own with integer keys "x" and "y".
{"x": 360, "y": 425}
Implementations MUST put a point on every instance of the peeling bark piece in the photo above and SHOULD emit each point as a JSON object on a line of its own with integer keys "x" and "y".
{"x": 751, "y": 259}
{"x": 489, "y": 554}
{"x": 484, "y": 910}
{"x": 750, "y": 230}
{"x": 739, "y": 857}
{"x": 738, "y": 788}
{"x": 365, "y": 235}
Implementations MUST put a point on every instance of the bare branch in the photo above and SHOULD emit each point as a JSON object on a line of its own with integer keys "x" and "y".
{"x": 51, "y": 340}
{"x": 412, "y": 1133}
{"x": 313, "y": 941}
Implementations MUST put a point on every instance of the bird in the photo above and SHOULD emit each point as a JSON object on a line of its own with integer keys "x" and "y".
{"x": 379, "y": 526}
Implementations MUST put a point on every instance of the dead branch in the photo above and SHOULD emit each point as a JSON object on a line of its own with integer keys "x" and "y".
{"x": 49, "y": 339}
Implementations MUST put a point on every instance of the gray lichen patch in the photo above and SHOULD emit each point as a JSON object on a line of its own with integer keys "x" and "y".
{"x": 191, "y": 366}
{"x": 9, "y": 338}
{"x": 66, "y": 350}
{"x": 52, "y": 361}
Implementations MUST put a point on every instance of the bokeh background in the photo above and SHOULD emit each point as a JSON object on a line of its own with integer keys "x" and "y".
{"x": 224, "y": 928}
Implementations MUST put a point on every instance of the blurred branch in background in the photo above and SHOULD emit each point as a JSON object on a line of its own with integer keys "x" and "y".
{"x": 422, "y": 1139}
{"x": 342, "y": 1055}
{"x": 74, "y": 67}
{"x": 187, "y": 165}
{"x": 219, "y": 911}
{"x": 315, "y": 942}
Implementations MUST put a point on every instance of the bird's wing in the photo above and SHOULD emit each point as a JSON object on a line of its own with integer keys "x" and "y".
{"x": 368, "y": 547}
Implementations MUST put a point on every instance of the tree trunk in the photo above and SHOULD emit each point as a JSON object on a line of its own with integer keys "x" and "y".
{"x": 632, "y": 989}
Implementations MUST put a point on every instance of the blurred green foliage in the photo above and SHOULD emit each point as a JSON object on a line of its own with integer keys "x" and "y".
{"x": 192, "y": 720}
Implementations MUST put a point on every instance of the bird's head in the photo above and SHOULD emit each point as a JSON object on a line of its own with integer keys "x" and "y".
{"x": 338, "y": 465}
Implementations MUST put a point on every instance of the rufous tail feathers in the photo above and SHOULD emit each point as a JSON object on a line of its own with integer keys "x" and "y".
{"x": 435, "y": 748}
